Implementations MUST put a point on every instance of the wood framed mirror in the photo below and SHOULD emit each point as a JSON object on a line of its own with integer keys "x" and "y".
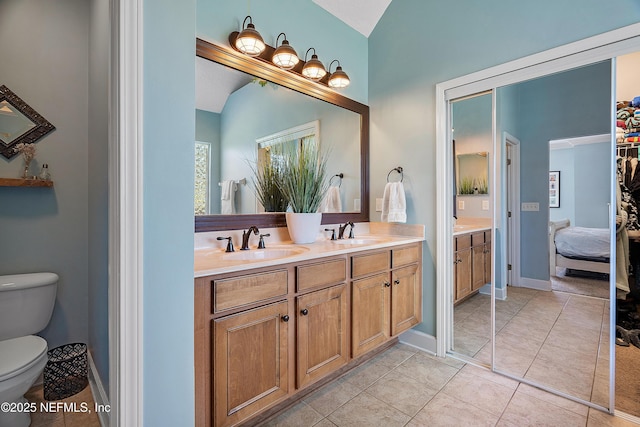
{"x": 264, "y": 71}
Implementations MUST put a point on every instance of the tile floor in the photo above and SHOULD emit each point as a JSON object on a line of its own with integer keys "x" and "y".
{"x": 538, "y": 333}
{"x": 62, "y": 418}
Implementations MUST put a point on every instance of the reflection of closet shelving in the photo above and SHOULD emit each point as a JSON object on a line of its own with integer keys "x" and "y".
{"x": 20, "y": 182}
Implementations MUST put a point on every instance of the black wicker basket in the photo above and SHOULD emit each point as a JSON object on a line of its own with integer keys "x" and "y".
{"x": 65, "y": 374}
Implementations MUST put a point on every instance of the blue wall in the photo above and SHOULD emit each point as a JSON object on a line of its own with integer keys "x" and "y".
{"x": 46, "y": 51}
{"x": 563, "y": 160}
{"x": 565, "y": 105}
{"x": 168, "y": 171}
{"x": 443, "y": 42}
{"x": 208, "y": 130}
{"x": 98, "y": 281}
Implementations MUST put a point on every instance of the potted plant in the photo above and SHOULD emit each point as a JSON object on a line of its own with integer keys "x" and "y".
{"x": 304, "y": 185}
{"x": 267, "y": 175}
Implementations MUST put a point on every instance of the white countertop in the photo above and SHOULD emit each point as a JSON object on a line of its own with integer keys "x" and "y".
{"x": 464, "y": 229}
{"x": 213, "y": 260}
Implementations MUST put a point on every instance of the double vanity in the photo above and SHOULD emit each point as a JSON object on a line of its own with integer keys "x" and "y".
{"x": 273, "y": 324}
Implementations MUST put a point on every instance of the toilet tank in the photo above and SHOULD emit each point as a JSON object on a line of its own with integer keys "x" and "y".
{"x": 26, "y": 303}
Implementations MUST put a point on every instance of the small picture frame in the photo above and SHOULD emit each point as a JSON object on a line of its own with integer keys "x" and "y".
{"x": 554, "y": 189}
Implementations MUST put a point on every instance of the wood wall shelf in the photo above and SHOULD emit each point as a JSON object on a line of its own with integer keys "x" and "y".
{"x": 19, "y": 182}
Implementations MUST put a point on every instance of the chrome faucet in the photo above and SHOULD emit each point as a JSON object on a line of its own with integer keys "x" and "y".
{"x": 342, "y": 228}
{"x": 246, "y": 235}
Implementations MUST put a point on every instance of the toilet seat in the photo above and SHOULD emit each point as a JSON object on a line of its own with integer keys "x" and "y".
{"x": 19, "y": 354}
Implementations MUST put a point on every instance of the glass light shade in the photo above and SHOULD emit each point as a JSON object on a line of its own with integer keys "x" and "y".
{"x": 285, "y": 56}
{"x": 314, "y": 69}
{"x": 339, "y": 79}
{"x": 250, "y": 41}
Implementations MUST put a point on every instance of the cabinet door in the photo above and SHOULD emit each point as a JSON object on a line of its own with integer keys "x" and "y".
{"x": 322, "y": 333}
{"x": 370, "y": 313}
{"x": 487, "y": 262}
{"x": 250, "y": 359}
{"x": 478, "y": 264}
{"x": 406, "y": 299}
{"x": 463, "y": 273}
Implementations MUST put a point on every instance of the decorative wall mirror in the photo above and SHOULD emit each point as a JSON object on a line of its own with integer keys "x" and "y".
{"x": 255, "y": 88}
{"x": 19, "y": 123}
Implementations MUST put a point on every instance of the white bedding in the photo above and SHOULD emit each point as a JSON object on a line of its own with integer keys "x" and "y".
{"x": 582, "y": 242}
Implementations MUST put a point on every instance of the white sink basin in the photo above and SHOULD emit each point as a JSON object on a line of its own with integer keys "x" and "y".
{"x": 357, "y": 241}
{"x": 263, "y": 254}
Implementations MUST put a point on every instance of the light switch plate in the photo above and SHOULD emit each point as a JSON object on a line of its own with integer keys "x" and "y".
{"x": 530, "y": 206}
{"x": 485, "y": 205}
{"x": 356, "y": 205}
{"x": 461, "y": 205}
{"x": 378, "y": 205}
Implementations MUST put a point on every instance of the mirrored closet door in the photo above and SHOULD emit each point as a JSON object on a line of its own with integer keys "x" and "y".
{"x": 537, "y": 315}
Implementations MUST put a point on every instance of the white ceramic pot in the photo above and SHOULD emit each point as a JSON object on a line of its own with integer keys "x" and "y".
{"x": 304, "y": 227}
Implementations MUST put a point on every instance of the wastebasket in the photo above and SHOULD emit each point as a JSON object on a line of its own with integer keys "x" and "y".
{"x": 65, "y": 373}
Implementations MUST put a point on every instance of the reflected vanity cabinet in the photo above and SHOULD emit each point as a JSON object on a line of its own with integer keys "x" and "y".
{"x": 472, "y": 263}
{"x": 263, "y": 336}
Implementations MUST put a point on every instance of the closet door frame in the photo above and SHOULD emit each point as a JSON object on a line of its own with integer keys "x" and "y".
{"x": 606, "y": 46}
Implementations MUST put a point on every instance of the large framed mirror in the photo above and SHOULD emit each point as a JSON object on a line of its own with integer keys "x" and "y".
{"x": 248, "y": 106}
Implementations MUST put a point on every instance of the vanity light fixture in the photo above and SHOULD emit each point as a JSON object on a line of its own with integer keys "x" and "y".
{"x": 250, "y": 41}
{"x": 339, "y": 78}
{"x": 313, "y": 69}
{"x": 285, "y": 56}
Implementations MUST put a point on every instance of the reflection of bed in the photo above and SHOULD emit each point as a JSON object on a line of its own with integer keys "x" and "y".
{"x": 578, "y": 248}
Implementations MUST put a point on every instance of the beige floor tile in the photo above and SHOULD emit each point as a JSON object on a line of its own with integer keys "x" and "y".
{"x": 365, "y": 375}
{"x": 330, "y": 397}
{"x": 428, "y": 371}
{"x": 324, "y": 423}
{"x": 475, "y": 325}
{"x": 297, "y": 416}
{"x": 395, "y": 355}
{"x": 479, "y": 392}
{"x": 526, "y": 410}
{"x": 512, "y": 361}
{"x": 365, "y": 410}
{"x": 528, "y": 328}
{"x": 491, "y": 376}
{"x": 600, "y": 391}
{"x": 578, "y": 342}
{"x": 522, "y": 344}
{"x": 446, "y": 411}
{"x": 602, "y": 419}
{"x": 403, "y": 393}
{"x": 554, "y": 399}
{"x": 468, "y": 343}
{"x": 446, "y": 360}
{"x": 562, "y": 376}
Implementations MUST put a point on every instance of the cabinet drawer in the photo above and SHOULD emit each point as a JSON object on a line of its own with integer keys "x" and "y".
{"x": 362, "y": 265}
{"x": 404, "y": 256}
{"x": 243, "y": 290}
{"x": 330, "y": 272}
{"x": 463, "y": 242}
{"x": 477, "y": 239}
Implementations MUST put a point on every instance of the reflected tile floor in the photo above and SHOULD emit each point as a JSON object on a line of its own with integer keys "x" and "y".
{"x": 60, "y": 418}
{"x": 412, "y": 388}
{"x": 537, "y": 330}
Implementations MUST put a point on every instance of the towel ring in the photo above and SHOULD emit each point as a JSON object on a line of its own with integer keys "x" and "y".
{"x": 339, "y": 175}
{"x": 399, "y": 170}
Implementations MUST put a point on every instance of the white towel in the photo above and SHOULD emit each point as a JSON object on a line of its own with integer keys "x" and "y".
{"x": 394, "y": 205}
{"x": 227, "y": 197}
{"x": 331, "y": 201}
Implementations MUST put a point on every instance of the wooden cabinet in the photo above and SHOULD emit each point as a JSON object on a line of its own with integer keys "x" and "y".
{"x": 388, "y": 301}
{"x": 250, "y": 360}
{"x": 462, "y": 267}
{"x": 322, "y": 325}
{"x": 262, "y": 336}
{"x": 472, "y": 263}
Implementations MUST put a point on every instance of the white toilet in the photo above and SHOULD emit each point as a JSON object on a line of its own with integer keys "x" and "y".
{"x": 26, "y": 304}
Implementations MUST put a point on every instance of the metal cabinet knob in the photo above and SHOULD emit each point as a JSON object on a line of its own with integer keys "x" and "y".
{"x": 387, "y": 284}
{"x": 397, "y": 281}
{"x": 304, "y": 312}
{"x": 285, "y": 318}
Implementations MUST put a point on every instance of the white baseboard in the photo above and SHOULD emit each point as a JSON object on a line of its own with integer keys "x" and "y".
{"x": 99, "y": 393}
{"x": 541, "y": 285}
{"x": 627, "y": 417}
{"x": 419, "y": 340}
{"x": 501, "y": 293}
